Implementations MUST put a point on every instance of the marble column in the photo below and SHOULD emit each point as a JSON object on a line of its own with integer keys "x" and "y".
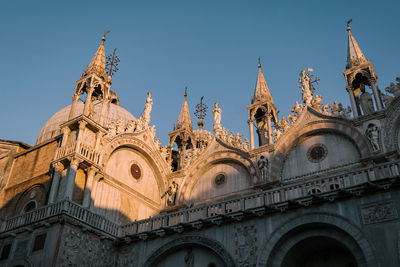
{"x": 75, "y": 99}
{"x": 88, "y": 193}
{"x": 375, "y": 90}
{"x": 66, "y": 132}
{"x": 58, "y": 167}
{"x": 352, "y": 101}
{"x": 269, "y": 130}
{"x": 88, "y": 100}
{"x": 250, "y": 122}
{"x": 73, "y": 167}
{"x": 82, "y": 127}
{"x": 104, "y": 105}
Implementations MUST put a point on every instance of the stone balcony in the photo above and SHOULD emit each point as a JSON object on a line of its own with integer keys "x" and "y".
{"x": 301, "y": 194}
{"x": 82, "y": 150}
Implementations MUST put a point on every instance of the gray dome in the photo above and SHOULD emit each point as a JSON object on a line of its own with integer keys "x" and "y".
{"x": 52, "y": 126}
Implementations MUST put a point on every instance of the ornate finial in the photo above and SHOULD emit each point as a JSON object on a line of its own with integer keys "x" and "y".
{"x": 201, "y": 112}
{"x": 259, "y": 62}
{"x": 348, "y": 24}
{"x": 104, "y": 36}
{"x": 112, "y": 63}
{"x": 185, "y": 95}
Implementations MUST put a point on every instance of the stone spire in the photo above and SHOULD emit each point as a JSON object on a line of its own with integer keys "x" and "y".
{"x": 184, "y": 116}
{"x": 261, "y": 92}
{"x": 98, "y": 63}
{"x": 354, "y": 54}
{"x": 262, "y": 111}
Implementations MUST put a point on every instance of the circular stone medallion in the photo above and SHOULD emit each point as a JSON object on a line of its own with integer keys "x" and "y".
{"x": 317, "y": 153}
{"x": 219, "y": 179}
{"x": 136, "y": 171}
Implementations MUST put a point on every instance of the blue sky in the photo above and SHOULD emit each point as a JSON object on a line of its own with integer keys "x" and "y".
{"x": 210, "y": 46}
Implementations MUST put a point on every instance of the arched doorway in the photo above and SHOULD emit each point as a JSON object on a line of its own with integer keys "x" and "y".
{"x": 319, "y": 251}
{"x": 190, "y": 251}
{"x": 316, "y": 244}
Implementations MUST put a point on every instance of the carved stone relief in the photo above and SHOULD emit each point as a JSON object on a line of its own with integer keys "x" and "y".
{"x": 246, "y": 245}
{"x": 378, "y": 212}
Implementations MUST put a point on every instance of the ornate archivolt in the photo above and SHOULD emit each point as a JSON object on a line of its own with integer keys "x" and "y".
{"x": 391, "y": 126}
{"x": 208, "y": 159}
{"x": 309, "y": 127}
{"x": 153, "y": 156}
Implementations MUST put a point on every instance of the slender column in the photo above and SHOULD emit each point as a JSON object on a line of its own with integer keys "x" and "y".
{"x": 104, "y": 104}
{"x": 75, "y": 99}
{"x": 58, "y": 167}
{"x": 73, "y": 167}
{"x": 269, "y": 130}
{"x": 352, "y": 101}
{"x": 66, "y": 132}
{"x": 99, "y": 135}
{"x": 87, "y": 195}
{"x": 88, "y": 100}
{"x": 377, "y": 98}
{"x": 250, "y": 122}
{"x": 82, "y": 127}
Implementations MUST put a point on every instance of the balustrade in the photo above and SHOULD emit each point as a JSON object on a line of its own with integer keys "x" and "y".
{"x": 266, "y": 198}
{"x": 83, "y": 150}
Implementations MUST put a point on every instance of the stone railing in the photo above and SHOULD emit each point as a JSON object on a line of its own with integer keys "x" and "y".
{"x": 277, "y": 199}
{"x": 83, "y": 150}
{"x": 65, "y": 207}
{"x": 274, "y": 198}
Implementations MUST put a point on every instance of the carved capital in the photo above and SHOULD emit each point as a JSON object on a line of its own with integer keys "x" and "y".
{"x": 75, "y": 97}
{"x": 58, "y": 166}
{"x": 74, "y": 162}
{"x": 91, "y": 171}
{"x": 250, "y": 122}
{"x": 82, "y": 125}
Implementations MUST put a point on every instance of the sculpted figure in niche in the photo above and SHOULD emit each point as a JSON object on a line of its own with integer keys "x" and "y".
{"x": 189, "y": 258}
{"x": 217, "y": 117}
{"x": 304, "y": 81}
{"x": 366, "y": 102}
{"x": 373, "y": 136}
{"x": 147, "y": 109}
{"x": 262, "y": 165}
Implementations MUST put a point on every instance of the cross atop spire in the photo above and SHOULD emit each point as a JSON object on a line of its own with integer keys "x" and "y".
{"x": 354, "y": 54}
{"x": 261, "y": 91}
{"x": 98, "y": 63}
{"x": 184, "y": 116}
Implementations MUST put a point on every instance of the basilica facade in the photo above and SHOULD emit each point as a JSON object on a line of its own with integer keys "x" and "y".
{"x": 318, "y": 187}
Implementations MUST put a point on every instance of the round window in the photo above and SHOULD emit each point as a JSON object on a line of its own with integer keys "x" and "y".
{"x": 317, "y": 153}
{"x": 219, "y": 179}
{"x": 136, "y": 171}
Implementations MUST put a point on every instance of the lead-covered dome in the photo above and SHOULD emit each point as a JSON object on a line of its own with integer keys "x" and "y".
{"x": 52, "y": 126}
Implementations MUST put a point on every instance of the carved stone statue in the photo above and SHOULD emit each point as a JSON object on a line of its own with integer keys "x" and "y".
{"x": 336, "y": 108}
{"x": 304, "y": 81}
{"x": 262, "y": 165}
{"x": 147, "y": 109}
{"x": 366, "y": 102}
{"x": 119, "y": 127}
{"x": 130, "y": 127}
{"x": 297, "y": 108}
{"x": 171, "y": 194}
{"x": 394, "y": 88}
{"x": 291, "y": 118}
{"x": 316, "y": 102}
{"x": 373, "y": 137}
{"x": 346, "y": 112}
{"x": 325, "y": 108}
{"x": 217, "y": 117}
{"x": 189, "y": 258}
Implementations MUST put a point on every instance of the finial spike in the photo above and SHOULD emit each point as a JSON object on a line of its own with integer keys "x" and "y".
{"x": 259, "y": 62}
{"x": 104, "y": 36}
{"x": 185, "y": 91}
{"x": 348, "y": 24}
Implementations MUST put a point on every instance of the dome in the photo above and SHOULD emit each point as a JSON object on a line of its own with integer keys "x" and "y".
{"x": 52, "y": 126}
